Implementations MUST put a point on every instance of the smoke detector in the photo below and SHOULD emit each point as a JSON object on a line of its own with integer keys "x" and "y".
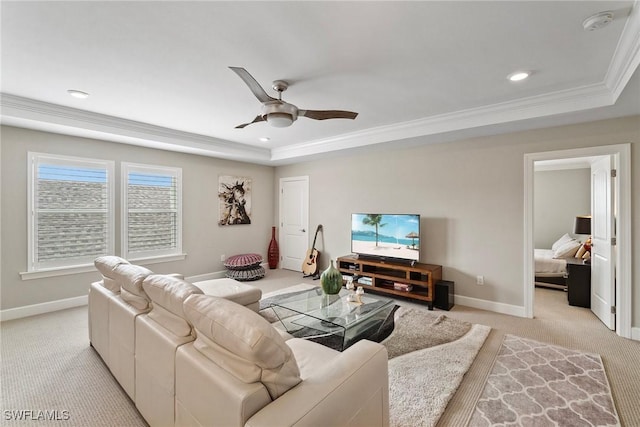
{"x": 597, "y": 21}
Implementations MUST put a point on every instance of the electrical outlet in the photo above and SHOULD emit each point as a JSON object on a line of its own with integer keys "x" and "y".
{"x": 223, "y": 257}
{"x": 479, "y": 280}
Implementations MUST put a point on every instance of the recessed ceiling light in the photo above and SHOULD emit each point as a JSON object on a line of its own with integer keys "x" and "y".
{"x": 518, "y": 76}
{"x": 78, "y": 94}
{"x": 264, "y": 139}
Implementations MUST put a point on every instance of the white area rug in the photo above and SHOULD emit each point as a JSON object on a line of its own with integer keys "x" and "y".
{"x": 421, "y": 383}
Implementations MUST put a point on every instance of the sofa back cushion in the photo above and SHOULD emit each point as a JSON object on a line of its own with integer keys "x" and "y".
{"x": 130, "y": 277}
{"x": 105, "y": 265}
{"x": 242, "y": 342}
{"x": 167, "y": 296}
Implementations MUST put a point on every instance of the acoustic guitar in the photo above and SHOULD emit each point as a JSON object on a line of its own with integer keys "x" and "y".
{"x": 310, "y": 263}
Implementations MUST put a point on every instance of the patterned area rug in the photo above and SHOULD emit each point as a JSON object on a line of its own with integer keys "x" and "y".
{"x": 537, "y": 384}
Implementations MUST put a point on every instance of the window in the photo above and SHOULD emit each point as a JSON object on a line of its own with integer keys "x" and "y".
{"x": 151, "y": 211}
{"x": 70, "y": 211}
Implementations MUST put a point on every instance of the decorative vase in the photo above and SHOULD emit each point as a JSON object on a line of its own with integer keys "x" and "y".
{"x": 331, "y": 280}
{"x": 273, "y": 254}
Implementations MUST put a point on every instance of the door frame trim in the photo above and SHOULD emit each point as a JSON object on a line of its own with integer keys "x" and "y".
{"x": 621, "y": 154}
{"x": 280, "y": 192}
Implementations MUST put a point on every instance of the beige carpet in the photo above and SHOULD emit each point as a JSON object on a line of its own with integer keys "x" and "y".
{"x": 49, "y": 370}
{"x": 537, "y": 384}
{"x": 47, "y": 363}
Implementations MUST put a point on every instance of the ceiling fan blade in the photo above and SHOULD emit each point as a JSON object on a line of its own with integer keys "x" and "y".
{"x": 254, "y": 86}
{"x": 327, "y": 114}
{"x": 256, "y": 120}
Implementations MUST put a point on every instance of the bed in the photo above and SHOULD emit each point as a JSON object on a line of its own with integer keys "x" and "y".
{"x": 549, "y": 271}
{"x": 551, "y": 264}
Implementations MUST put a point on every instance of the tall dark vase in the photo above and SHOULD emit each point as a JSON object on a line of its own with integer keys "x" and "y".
{"x": 274, "y": 252}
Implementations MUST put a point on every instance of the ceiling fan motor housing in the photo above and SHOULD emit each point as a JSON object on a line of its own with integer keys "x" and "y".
{"x": 279, "y": 113}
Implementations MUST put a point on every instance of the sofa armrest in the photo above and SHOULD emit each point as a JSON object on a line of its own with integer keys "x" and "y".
{"x": 353, "y": 390}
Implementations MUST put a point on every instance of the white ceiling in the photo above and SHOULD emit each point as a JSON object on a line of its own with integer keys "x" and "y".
{"x": 158, "y": 74}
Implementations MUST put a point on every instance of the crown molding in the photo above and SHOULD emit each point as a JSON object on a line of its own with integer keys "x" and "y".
{"x": 566, "y": 101}
{"x": 30, "y": 113}
{"x": 626, "y": 57}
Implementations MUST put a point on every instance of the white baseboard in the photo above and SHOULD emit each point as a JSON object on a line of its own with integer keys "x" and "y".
{"x": 51, "y": 306}
{"x": 45, "y": 307}
{"x": 635, "y": 334}
{"x": 498, "y": 307}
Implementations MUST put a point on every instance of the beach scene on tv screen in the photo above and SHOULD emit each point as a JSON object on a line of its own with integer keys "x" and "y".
{"x": 396, "y": 236}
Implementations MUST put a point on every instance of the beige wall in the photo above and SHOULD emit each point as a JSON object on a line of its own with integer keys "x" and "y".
{"x": 558, "y": 197}
{"x": 470, "y": 195}
{"x": 203, "y": 240}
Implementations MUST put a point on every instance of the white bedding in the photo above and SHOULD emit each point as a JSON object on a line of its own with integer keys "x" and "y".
{"x": 548, "y": 266}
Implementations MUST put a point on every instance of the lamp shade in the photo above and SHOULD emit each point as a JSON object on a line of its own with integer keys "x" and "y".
{"x": 582, "y": 225}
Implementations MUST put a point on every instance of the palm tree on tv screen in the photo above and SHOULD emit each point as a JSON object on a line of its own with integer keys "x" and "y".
{"x": 375, "y": 220}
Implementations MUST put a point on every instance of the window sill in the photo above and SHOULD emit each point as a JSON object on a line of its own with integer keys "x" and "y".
{"x": 89, "y": 268}
{"x": 157, "y": 259}
{"x": 53, "y": 272}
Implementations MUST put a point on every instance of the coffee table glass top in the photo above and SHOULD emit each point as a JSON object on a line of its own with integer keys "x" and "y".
{"x": 333, "y": 315}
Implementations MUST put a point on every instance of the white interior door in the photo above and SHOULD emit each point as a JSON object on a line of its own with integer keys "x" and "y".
{"x": 294, "y": 221}
{"x": 603, "y": 230}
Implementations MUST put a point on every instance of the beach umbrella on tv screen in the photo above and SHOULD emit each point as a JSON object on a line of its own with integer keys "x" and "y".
{"x": 413, "y": 236}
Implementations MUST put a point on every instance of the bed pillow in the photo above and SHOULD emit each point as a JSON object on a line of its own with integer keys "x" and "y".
{"x": 561, "y": 241}
{"x": 567, "y": 249}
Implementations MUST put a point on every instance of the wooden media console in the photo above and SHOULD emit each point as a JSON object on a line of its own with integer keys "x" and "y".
{"x": 393, "y": 278}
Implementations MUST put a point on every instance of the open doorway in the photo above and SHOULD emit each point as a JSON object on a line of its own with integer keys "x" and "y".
{"x": 621, "y": 256}
{"x": 562, "y": 192}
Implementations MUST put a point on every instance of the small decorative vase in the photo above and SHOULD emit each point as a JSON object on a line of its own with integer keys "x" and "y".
{"x": 273, "y": 254}
{"x": 331, "y": 280}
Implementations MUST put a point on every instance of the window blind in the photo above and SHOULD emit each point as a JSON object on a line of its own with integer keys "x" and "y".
{"x": 152, "y": 211}
{"x": 70, "y": 212}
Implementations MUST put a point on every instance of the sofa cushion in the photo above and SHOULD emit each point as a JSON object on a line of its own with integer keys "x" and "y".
{"x": 167, "y": 294}
{"x": 233, "y": 290}
{"x": 243, "y": 261}
{"x": 242, "y": 342}
{"x": 105, "y": 265}
{"x": 130, "y": 277}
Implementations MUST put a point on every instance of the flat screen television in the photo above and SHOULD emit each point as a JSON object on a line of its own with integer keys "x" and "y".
{"x": 386, "y": 236}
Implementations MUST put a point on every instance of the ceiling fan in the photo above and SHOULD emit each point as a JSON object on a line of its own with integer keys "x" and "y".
{"x": 279, "y": 113}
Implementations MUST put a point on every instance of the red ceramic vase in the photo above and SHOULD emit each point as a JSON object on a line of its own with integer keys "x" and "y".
{"x": 273, "y": 254}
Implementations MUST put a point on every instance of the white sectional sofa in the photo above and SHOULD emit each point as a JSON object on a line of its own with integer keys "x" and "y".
{"x": 186, "y": 358}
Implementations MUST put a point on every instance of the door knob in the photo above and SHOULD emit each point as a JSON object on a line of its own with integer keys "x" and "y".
{"x": 303, "y": 230}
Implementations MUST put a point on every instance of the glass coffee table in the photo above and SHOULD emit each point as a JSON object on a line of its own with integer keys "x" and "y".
{"x": 332, "y": 320}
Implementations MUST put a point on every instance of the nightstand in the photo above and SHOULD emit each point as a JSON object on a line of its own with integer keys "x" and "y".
{"x": 578, "y": 283}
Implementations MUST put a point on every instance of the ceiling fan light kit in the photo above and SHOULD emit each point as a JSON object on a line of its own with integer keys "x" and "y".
{"x": 279, "y": 113}
{"x": 279, "y": 120}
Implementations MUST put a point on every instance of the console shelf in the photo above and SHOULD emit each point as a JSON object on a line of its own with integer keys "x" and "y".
{"x": 386, "y": 275}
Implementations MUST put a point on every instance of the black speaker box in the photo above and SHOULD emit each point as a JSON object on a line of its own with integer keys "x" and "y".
{"x": 444, "y": 295}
